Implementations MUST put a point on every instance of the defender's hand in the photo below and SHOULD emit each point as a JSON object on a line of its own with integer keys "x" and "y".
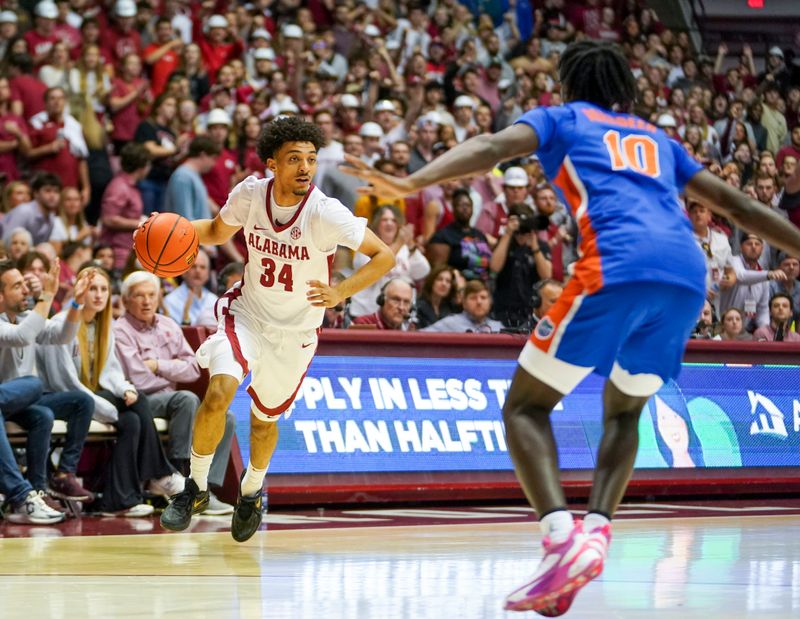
{"x": 379, "y": 183}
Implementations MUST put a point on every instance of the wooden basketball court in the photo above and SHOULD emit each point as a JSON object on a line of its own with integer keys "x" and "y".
{"x": 666, "y": 561}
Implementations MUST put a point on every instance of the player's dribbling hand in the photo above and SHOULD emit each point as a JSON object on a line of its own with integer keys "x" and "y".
{"x": 380, "y": 183}
{"x": 323, "y": 295}
{"x": 142, "y": 221}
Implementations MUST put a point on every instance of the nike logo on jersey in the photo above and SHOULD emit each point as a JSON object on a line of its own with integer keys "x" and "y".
{"x": 260, "y": 229}
{"x": 307, "y": 345}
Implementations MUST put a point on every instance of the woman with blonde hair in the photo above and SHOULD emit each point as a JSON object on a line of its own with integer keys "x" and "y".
{"x": 71, "y": 224}
{"x": 14, "y": 194}
{"x": 90, "y": 364}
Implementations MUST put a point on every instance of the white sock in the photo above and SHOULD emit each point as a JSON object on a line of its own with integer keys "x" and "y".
{"x": 199, "y": 469}
{"x": 594, "y": 521}
{"x": 557, "y": 525}
{"x": 253, "y": 480}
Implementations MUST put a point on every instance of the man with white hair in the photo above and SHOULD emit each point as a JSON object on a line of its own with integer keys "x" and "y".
{"x": 156, "y": 357}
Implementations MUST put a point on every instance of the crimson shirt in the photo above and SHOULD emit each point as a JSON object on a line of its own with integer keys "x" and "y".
{"x": 117, "y": 44}
{"x": 161, "y": 69}
{"x": 127, "y": 118}
{"x": 63, "y": 164}
{"x": 37, "y": 44}
{"x": 8, "y": 161}
{"x": 218, "y": 179}
{"x": 30, "y": 91}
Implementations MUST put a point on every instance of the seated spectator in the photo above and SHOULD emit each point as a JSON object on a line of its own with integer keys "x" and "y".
{"x": 791, "y": 266}
{"x": 22, "y": 334}
{"x": 57, "y": 144}
{"x": 122, "y": 209}
{"x": 23, "y": 504}
{"x": 14, "y": 194}
{"x": 395, "y": 303}
{"x": 19, "y": 243}
{"x": 103, "y": 255}
{"x": 39, "y": 215}
{"x": 475, "y": 316}
{"x": 230, "y": 275}
{"x": 71, "y": 225}
{"x": 410, "y": 263}
{"x": 494, "y": 215}
{"x": 519, "y": 262}
{"x": 545, "y": 294}
{"x": 192, "y": 303}
{"x": 732, "y": 327}
{"x": 438, "y": 297}
{"x": 781, "y": 327}
{"x": 751, "y": 291}
{"x": 155, "y": 356}
{"x": 460, "y": 245}
{"x": 90, "y": 364}
{"x": 704, "y": 329}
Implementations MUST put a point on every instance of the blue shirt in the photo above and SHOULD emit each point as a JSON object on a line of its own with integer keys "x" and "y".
{"x": 187, "y": 195}
{"x": 620, "y": 177}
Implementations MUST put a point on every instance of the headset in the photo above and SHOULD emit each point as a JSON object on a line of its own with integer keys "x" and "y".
{"x": 536, "y": 295}
{"x": 381, "y": 300}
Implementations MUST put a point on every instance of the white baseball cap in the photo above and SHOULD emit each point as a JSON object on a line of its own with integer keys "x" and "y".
{"x": 288, "y": 106}
{"x": 348, "y": 100}
{"x": 261, "y": 33}
{"x": 384, "y": 105}
{"x": 371, "y": 30}
{"x": 125, "y": 8}
{"x": 217, "y": 21}
{"x": 516, "y": 177}
{"x": 46, "y": 9}
{"x": 464, "y": 101}
{"x": 218, "y": 116}
{"x": 292, "y": 31}
{"x": 371, "y": 130}
{"x": 776, "y": 51}
{"x": 8, "y": 17}
{"x": 264, "y": 53}
{"x": 666, "y": 120}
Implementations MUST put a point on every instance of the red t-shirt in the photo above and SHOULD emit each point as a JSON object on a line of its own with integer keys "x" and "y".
{"x": 252, "y": 162}
{"x": 63, "y": 164}
{"x": 117, "y": 44}
{"x": 37, "y": 44}
{"x": 162, "y": 69}
{"x": 30, "y": 91}
{"x": 8, "y": 161}
{"x": 214, "y": 56}
{"x": 127, "y": 118}
{"x": 218, "y": 179}
{"x": 70, "y": 35}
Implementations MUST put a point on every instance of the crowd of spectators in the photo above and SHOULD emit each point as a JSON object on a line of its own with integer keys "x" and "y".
{"x": 111, "y": 110}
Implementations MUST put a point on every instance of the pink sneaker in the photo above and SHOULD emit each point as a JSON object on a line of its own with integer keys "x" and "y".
{"x": 565, "y": 568}
{"x": 600, "y": 539}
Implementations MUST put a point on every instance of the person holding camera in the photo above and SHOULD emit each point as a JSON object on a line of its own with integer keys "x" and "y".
{"x": 519, "y": 262}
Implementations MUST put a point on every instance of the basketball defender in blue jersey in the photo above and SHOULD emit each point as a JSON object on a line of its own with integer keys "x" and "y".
{"x": 627, "y": 311}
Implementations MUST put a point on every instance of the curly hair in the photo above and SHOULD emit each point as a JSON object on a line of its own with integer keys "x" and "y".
{"x": 288, "y": 129}
{"x": 598, "y": 73}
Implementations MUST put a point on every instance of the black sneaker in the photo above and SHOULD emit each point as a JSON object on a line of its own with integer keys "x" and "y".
{"x": 247, "y": 514}
{"x": 178, "y": 514}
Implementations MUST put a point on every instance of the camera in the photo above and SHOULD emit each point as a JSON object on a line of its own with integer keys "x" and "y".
{"x": 532, "y": 223}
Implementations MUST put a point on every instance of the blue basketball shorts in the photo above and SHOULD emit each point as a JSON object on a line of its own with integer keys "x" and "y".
{"x": 634, "y": 334}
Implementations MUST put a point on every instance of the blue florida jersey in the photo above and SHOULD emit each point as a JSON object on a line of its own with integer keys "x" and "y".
{"x": 620, "y": 177}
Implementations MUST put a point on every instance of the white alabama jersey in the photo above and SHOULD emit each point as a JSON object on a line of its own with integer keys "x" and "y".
{"x": 282, "y": 258}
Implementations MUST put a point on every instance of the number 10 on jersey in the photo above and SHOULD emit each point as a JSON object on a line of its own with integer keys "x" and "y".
{"x": 633, "y": 152}
{"x": 284, "y": 275}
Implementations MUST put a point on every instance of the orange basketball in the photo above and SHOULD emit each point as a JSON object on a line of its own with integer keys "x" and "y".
{"x": 166, "y": 244}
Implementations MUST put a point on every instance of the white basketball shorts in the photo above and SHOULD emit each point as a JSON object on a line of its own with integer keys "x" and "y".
{"x": 277, "y": 360}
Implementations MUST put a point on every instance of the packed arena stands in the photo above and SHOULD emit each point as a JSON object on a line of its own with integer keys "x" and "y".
{"x": 113, "y": 110}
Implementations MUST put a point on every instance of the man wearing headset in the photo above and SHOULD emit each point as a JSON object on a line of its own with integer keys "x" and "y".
{"x": 395, "y": 303}
{"x": 545, "y": 294}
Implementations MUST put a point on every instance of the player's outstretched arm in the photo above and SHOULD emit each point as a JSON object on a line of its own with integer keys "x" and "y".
{"x": 477, "y": 155}
{"x": 381, "y": 260}
{"x": 214, "y": 231}
{"x": 744, "y": 211}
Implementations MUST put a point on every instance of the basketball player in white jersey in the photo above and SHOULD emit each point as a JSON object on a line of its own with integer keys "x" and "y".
{"x": 269, "y": 322}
